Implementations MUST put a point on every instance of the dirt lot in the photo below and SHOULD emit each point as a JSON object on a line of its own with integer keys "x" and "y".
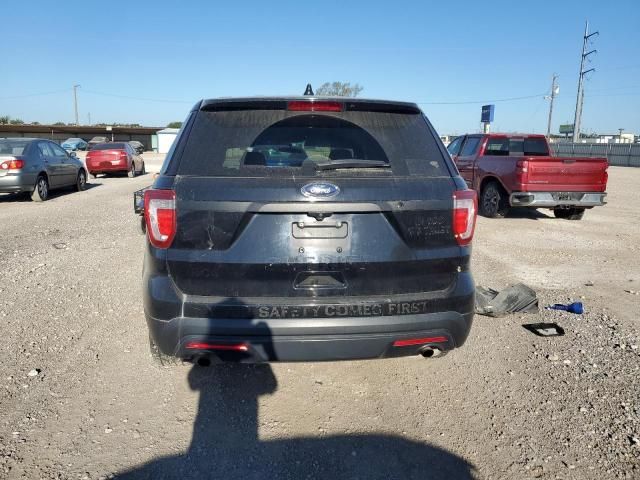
{"x": 81, "y": 398}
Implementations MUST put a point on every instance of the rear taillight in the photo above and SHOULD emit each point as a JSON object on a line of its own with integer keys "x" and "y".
{"x": 311, "y": 106}
{"x": 123, "y": 155}
{"x": 160, "y": 216}
{"x": 12, "y": 164}
{"x": 232, "y": 347}
{"x": 522, "y": 167}
{"x": 465, "y": 210}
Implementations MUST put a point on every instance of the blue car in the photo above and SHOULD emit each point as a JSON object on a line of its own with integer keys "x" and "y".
{"x": 73, "y": 144}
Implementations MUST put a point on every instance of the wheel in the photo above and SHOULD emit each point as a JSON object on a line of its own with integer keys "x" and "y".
{"x": 41, "y": 190}
{"x": 81, "y": 181}
{"x": 493, "y": 202}
{"x": 569, "y": 213}
{"x": 144, "y": 170}
{"x": 159, "y": 357}
{"x": 132, "y": 171}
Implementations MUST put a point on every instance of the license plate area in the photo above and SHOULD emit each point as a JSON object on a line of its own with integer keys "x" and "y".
{"x": 322, "y": 230}
{"x": 325, "y": 241}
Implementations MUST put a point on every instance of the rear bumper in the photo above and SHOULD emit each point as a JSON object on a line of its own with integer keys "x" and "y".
{"x": 444, "y": 321}
{"x": 98, "y": 168}
{"x": 17, "y": 183}
{"x": 557, "y": 199}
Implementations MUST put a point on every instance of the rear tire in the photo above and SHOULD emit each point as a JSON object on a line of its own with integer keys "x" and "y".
{"x": 132, "y": 171}
{"x": 41, "y": 190}
{"x": 159, "y": 357}
{"x": 81, "y": 181}
{"x": 493, "y": 201}
{"x": 569, "y": 213}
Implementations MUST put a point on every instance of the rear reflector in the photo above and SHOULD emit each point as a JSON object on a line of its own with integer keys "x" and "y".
{"x": 160, "y": 216}
{"x": 465, "y": 211}
{"x": 12, "y": 164}
{"x": 310, "y": 106}
{"x": 233, "y": 347}
{"x": 419, "y": 341}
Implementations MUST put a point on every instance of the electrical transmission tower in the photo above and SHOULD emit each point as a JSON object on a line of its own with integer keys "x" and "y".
{"x": 580, "y": 98}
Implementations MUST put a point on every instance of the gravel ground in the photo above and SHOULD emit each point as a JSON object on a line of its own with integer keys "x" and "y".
{"x": 81, "y": 398}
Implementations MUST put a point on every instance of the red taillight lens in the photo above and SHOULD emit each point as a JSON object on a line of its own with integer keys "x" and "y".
{"x": 419, "y": 341}
{"x": 123, "y": 155}
{"x": 13, "y": 164}
{"x": 160, "y": 216}
{"x": 522, "y": 166}
{"x": 465, "y": 210}
{"x": 233, "y": 347}
{"x": 309, "y": 106}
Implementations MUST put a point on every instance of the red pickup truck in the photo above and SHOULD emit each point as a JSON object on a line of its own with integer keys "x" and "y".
{"x": 515, "y": 170}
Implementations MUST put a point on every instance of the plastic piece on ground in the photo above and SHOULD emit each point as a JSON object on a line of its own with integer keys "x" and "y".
{"x": 545, "y": 329}
{"x": 575, "y": 307}
{"x": 516, "y": 298}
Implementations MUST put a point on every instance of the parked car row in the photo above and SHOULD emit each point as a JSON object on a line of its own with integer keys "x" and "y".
{"x": 37, "y": 166}
{"x": 75, "y": 144}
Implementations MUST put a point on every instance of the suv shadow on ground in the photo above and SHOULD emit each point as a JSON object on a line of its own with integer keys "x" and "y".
{"x": 226, "y": 444}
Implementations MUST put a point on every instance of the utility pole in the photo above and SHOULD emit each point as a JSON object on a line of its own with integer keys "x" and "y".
{"x": 554, "y": 91}
{"x": 75, "y": 101}
{"x": 580, "y": 98}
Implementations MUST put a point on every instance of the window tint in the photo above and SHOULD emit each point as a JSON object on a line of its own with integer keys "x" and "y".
{"x": 45, "y": 150}
{"x": 110, "y": 146}
{"x": 454, "y": 146}
{"x": 58, "y": 151}
{"x": 497, "y": 146}
{"x": 470, "y": 146}
{"x": 278, "y": 142}
{"x": 13, "y": 147}
{"x": 535, "y": 146}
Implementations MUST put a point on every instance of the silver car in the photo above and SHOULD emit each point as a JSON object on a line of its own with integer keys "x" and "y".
{"x": 37, "y": 166}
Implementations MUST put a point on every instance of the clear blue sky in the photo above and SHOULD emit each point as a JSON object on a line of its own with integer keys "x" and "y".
{"x": 181, "y": 51}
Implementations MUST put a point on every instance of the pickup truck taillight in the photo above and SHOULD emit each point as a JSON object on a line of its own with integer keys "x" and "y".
{"x": 465, "y": 211}
{"x": 12, "y": 164}
{"x": 160, "y": 217}
{"x": 522, "y": 167}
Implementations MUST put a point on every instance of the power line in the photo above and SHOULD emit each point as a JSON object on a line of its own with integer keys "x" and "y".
{"x": 66, "y": 90}
{"x": 470, "y": 102}
{"x": 127, "y": 97}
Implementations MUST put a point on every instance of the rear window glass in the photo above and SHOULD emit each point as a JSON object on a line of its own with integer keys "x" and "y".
{"x": 12, "y": 147}
{"x": 280, "y": 142}
{"x": 529, "y": 147}
{"x": 497, "y": 146}
{"x": 109, "y": 146}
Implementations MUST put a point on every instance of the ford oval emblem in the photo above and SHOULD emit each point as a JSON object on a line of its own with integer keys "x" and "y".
{"x": 320, "y": 190}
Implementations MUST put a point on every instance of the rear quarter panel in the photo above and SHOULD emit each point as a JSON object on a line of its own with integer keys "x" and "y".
{"x": 500, "y": 168}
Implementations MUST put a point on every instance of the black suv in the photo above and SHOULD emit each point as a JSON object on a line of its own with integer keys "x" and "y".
{"x": 307, "y": 229}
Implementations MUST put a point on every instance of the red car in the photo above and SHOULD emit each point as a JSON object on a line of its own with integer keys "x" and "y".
{"x": 519, "y": 170}
{"x": 118, "y": 157}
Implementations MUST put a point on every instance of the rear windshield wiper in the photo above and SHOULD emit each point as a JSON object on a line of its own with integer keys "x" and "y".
{"x": 351, "y": 163}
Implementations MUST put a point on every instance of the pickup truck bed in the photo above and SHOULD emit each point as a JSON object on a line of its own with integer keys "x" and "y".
{"x": 519, "y": 171}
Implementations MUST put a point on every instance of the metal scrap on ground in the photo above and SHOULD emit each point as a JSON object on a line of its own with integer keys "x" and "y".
{"x": 516, "y": 298}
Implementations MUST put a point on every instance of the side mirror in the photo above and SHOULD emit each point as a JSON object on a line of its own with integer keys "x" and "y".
{"x": 73, "y": 154}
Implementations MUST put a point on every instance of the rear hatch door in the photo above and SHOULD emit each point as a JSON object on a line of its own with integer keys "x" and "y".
{"x": 261, "y": 212}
